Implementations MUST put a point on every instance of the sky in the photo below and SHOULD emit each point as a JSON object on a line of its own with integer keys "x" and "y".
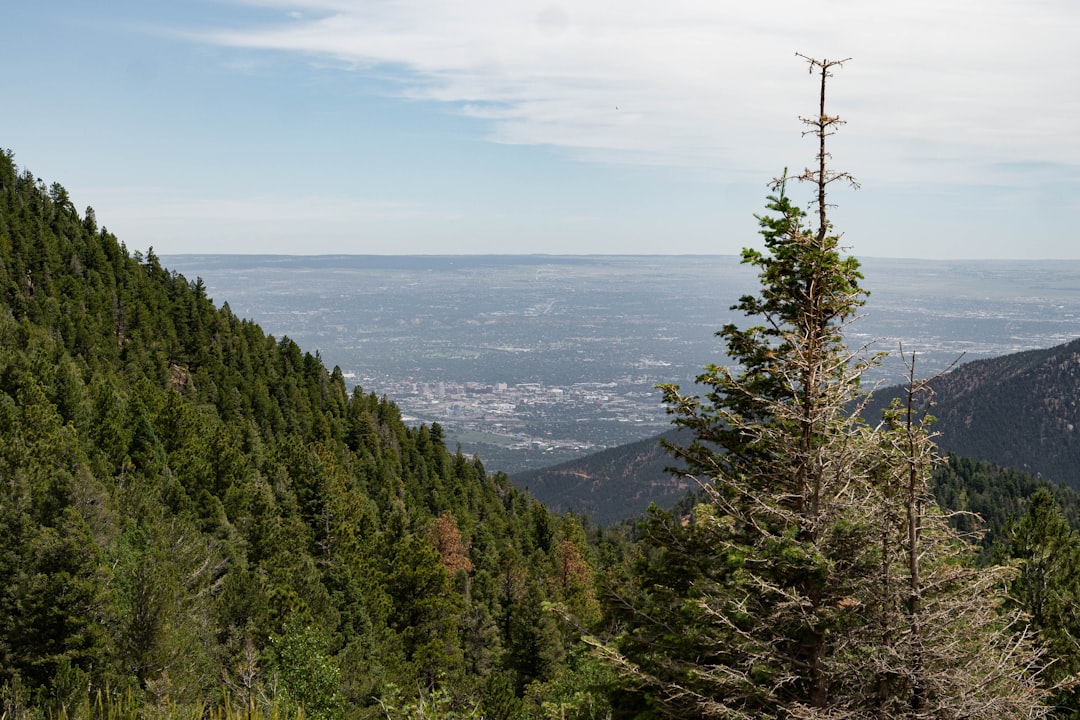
{"x": 519, "y": 126}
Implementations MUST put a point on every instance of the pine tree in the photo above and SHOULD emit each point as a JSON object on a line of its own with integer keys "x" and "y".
{"x": 790, "y": 591}
{"x": 1047, "y": 588}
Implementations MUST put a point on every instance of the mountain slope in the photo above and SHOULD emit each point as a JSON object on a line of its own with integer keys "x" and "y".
{"x": 610, "y": 485}
{"x": 1020, "y": 410}
{"x": 194, "y": 511}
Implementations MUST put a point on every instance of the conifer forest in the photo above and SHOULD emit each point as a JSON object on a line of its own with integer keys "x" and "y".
{"x": 200, "y": 520}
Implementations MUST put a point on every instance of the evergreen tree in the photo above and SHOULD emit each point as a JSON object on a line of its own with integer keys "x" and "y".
{"x": 794, "y": 589}
{"x": 1047, "y": 588}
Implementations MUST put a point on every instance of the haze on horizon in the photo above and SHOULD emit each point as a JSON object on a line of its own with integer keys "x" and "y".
{"x": 630, "y": 127}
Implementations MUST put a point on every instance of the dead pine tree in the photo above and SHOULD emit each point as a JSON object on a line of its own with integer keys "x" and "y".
{"x": 954, "y": 649}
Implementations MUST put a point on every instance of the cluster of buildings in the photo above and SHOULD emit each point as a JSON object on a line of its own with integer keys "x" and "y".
{"x": 533, "y": 415}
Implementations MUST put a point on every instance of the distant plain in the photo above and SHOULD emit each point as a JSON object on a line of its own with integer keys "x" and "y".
{"x": 529, "y": 360}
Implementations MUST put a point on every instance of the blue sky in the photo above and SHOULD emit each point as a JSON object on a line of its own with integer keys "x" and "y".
{"x": 510, "y": 126}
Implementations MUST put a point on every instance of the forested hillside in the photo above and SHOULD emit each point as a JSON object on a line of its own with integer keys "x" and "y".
{"x": 1020, "y": 410}
{"x": 611, "y": 485}
{"x": 197, "y": 515}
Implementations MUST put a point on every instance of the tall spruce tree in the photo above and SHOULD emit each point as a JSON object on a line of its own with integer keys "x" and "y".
{"x": 794, "y": 590}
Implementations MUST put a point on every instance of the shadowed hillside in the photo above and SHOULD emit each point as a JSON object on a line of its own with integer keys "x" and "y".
{"x": 1020, "y": 410}
{"x": 611, "y": 485}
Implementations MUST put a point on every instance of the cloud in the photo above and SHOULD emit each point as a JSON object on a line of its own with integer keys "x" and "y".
{"x": 949, "y": 92}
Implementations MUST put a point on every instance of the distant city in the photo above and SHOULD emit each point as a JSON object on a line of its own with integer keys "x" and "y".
{"x": 532, "y": 360}
{"x": 523, "y": 417}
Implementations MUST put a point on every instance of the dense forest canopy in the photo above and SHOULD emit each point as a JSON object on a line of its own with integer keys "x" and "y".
{"x": 195, "y": 511}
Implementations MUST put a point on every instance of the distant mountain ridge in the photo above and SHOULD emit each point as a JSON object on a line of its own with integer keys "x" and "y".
{"x": 1020, "y": 410}
{"x": 1017, "y": 411}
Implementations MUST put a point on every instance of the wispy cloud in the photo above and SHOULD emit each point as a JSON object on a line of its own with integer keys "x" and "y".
{"x": 936, "y": 91}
